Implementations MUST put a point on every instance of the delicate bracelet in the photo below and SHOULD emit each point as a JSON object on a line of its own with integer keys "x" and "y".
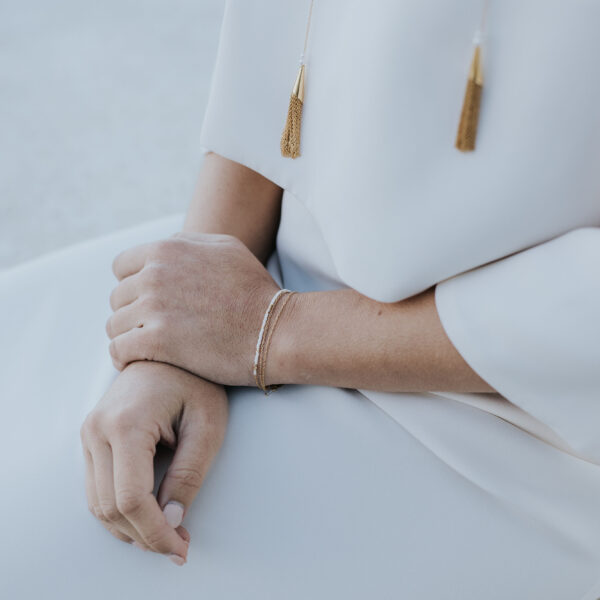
{"x": 259, "y": 343}
{"x": 259, "y": 358}
{"x": 264, "y": 339}
{"x": 262, "y": 364}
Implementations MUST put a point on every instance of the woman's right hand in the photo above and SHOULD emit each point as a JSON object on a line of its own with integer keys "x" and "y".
{"x": 150, "y": 403}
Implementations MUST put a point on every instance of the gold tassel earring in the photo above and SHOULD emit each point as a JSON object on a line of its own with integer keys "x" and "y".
{"x": 290, "y": 138}
{"x": 469, "y": 118}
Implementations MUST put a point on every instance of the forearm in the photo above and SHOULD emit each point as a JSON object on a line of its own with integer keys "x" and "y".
{"x": 344, "y": 339}
{"x": 233, "y": 199}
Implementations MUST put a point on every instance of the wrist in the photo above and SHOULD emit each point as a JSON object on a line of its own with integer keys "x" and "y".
{"x": 181, "y": 379}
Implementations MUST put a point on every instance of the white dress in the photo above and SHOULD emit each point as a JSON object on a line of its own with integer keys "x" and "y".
{"x": 333, "y": 493}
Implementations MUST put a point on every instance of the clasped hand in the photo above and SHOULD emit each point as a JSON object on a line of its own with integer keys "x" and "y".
{"x": 195, "y": 301}
{"x": 186, "y": 316}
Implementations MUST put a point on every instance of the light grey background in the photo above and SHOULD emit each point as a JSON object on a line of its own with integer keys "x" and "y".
{"x": 101, "y": 104}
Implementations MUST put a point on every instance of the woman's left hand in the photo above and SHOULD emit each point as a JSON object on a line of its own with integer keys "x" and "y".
{"x": 195, "y": 301}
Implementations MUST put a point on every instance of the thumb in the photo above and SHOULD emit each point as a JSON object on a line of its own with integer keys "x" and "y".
{"x": 196, "y": 448}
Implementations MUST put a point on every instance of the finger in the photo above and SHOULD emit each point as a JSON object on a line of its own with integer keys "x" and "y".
{"x": 90, "y": 489}
{"x": 196, "y": 448}
{"x": 109, "y": 514}
{"x": 90, "y": 484}
{"x": 184, "y": 534}
{"x": 131, "y": 261}
{"x": 118, "y": 534}
{"x": 133, "y": 345}
{"x": 134, "y": 481}
{"x": 126, "y": 318}
{"x": 125, "y": 293}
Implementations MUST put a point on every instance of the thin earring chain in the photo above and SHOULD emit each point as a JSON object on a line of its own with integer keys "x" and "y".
{"x": 478, "y": 35}
{"x": 307, "y": 31}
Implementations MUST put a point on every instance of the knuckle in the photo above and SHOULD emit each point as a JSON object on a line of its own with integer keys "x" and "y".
{"x": 145, "y": 346}
{"x": 164, "y": 249}
{"x": 123, "y": 422}
{"x": 156, "y": 333}
{"x": 90, "y": 426}
{"x": 84, "y": 431}
{"x": 156, "y": 541}
{"x": 115, "y": 263}
{"x": 99, "y": 514}
{"x": 117, "y": 353}
{"x": 189, "y": 478}
{"x": 113, "y": 298}
{"x": 108, "y": 327}
{"x": 129, "y": 502}
{"x": 114, "y": 350}
{"x": 152, "y": 276}
{"x": 110, "y": 512}
{"x": 83, "y": 434}
{"x": 151, "y": 303}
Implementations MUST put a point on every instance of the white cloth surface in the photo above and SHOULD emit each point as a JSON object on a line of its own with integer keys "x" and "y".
{"x": 316, "y": 493}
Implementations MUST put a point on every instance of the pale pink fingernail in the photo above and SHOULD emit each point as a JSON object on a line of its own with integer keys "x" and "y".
{"x": 178, "y": 560}
{"x": 173, "y": 511}
{"x": 138, "y": 545}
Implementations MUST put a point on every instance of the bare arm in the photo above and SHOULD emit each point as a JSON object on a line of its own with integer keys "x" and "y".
{"x": 337, "y": 338}
{"x": 345, "y": 339}
{"x": 369, "y": 345}
{"x": 233, "y": 199}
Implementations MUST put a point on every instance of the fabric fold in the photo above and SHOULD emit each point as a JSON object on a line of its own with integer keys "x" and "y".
{"x": 400, "y": 208}
{"x": 528, "y": 324}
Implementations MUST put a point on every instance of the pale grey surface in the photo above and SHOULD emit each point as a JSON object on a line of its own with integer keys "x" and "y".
{"x": 101, "y": 105}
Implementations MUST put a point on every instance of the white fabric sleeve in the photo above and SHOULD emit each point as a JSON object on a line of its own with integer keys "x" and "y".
{"x": 250, "y": 87}
{"x": 529, "y": 325}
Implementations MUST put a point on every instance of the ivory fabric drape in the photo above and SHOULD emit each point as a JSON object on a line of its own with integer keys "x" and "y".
{"x": 317, "y": 492}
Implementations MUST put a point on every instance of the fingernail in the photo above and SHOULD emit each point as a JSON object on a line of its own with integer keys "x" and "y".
{"x": 138, "y": 545}
{"x": 173, "y": 511}
{"x": 178, "y": 560}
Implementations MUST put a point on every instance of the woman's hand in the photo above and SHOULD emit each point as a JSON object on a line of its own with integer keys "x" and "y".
{"x": 150, "y": 403}
{"x": 195, "y": 301}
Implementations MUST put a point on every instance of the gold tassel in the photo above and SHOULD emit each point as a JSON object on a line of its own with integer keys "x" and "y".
{"x": 290, "y": 138}
{"x": 469, "y": 118}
